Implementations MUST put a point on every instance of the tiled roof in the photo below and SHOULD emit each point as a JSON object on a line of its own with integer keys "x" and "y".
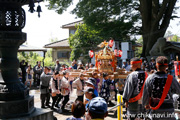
{"x": 172, "y": 45}
{"x": 60, "y": 43}
{"x": 30, "y": 48}
{"x": 137, "y": 44}
{"x": 71, "y": 25}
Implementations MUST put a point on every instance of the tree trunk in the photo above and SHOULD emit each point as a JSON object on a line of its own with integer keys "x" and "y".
{"x": 155, "y": 21}
{"x": 149, "y": 40}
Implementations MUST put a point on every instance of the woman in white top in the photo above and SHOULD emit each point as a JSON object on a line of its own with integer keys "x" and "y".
{"x": 29, "y": 77}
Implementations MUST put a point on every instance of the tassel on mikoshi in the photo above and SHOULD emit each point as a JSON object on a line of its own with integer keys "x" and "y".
{"x": 39, "y": 10}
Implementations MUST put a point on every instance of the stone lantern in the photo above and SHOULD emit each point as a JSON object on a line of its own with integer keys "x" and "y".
{"x": 15, "y": 100}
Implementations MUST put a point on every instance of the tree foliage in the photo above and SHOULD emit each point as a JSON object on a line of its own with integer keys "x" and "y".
{"x": 33, "y": 57}
{"x": 84, "y": 39}
{"x": 122, "y": 18}
{"x": 30, "y": 57}
{"x": 109, "y": 16}
{"x": 174, "y": 38}
{"x": 138, "y": 50}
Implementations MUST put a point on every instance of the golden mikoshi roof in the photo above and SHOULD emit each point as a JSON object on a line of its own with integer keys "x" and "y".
{"x": 106, "y": 53}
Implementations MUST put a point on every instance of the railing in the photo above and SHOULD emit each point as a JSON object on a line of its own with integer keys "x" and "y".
{"x": 114, "y": 107}
{"x": 120, "y": 104}
{"x": 119, "y": 107}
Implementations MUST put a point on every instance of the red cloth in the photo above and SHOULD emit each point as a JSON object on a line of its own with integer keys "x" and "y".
{"x": 165, "y": 92}
{"x": 134, "y": 99}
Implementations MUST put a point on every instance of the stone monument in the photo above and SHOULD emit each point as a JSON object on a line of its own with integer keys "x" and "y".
{"x": 158, "y": 47}
{"x": 15, "y": 101}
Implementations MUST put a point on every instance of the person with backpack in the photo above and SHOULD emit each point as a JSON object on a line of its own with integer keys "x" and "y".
{"x": 158, "y": 90}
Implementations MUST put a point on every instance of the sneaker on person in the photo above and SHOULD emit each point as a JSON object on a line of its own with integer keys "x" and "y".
{"x": 57, "y": 106}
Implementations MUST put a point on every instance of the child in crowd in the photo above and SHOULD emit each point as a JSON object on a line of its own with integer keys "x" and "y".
{"x": 89, "y": 94}
{"x": 98, "y": 109}
{"x": 30, "y": 72}
{"x": 97, "y": 80}
{"x": 78, "y": 110}
{"x": 91, "y": 82}
{"x": 105, "y": 89}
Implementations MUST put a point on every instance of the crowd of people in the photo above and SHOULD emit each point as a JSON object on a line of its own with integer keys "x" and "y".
{"x": 150, "y": 96}
{"x": 143, "y": 90}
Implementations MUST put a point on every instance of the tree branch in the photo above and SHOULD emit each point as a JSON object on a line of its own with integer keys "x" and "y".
{"x": 162, "y": 10}
{"x": 168, "y": 14}
{"x": 155, "y": 8}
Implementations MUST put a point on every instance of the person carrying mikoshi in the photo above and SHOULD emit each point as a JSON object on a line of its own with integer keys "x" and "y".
{"x": 158, "y": 90}
{"x": 79, "y": 85}
{"x": 132, "y": 95}
{"x": 65, "y": 89}
{"x": 55, "y": 90}
{"x": 44, "y": 88}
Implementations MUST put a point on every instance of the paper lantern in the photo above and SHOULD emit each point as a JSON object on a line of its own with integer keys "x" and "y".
{"x": 116, "y": 52}
{"x": 111, "y": 43}
{"x": 91, "y": 53}
{"x": 120, "y": 53}
{"x": 177, "y": 68}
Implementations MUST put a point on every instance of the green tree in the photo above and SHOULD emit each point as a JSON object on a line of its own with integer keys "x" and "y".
{"x": 30, "y": 57}
{"x": 175, "y": 38}
{"x": 138, "y": 50}
{"x": 153, "y": 15}
{"x": 103, "y": 15}
{"x": 84, "y": 39}
{"x": 33, "y": 57}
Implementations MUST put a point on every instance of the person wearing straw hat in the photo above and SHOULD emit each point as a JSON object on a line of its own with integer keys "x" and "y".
{"x": 132, "y": 95}
{"x": 158, "y": 90}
